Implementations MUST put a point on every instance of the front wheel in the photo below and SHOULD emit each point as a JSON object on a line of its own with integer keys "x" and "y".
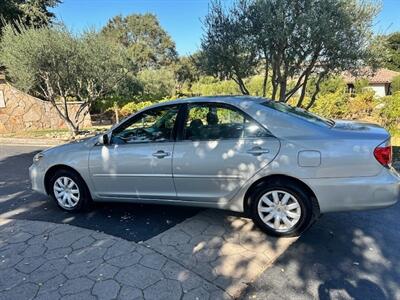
{"x": 69, "y": 191}
{"x": 281, "y": 210}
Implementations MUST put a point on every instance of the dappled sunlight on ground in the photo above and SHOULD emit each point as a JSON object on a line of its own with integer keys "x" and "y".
{"x": 223, "y": 247}
{"x": 344, "y": 255}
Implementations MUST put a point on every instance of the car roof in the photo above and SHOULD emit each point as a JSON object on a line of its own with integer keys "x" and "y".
{"x": 236, "y": 100}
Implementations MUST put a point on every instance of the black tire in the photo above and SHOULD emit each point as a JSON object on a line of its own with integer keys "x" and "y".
{"x": 85, "y": 200}
{"x": 303, "y": 199}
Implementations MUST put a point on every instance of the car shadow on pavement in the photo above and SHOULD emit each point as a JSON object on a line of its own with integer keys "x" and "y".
{"x": 134, "y": 222}
{"x": 343, "y": 256}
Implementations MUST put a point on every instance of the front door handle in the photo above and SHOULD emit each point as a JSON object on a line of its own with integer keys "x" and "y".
{"x": 257, "y": 151}
{"x": 161, "y": 154}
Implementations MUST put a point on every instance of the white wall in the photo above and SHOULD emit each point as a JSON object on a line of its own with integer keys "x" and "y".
{"x": 379, "y": 89}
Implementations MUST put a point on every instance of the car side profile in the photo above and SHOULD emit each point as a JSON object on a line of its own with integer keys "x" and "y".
{"x": 282, "y": 166}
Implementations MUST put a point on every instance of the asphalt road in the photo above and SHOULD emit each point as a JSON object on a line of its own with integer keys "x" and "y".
{"x": 135, "y": 222}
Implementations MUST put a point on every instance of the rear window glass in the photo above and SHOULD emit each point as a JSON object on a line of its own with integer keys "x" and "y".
{"x": 298, "y": 112}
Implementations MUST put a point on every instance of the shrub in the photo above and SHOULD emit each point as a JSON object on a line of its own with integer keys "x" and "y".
{"x": 362, "y": 105}
{"x": 361, "y": 85}
{"x": 390, "y": 113}
{"x": 255, "y": 85}
{"x": 332, "y": 105}
{"x": 207, "y": 86}
{"x": 157, "y": 84}
{"x": 396, "y": 84}
{"x": 133, "y": 107}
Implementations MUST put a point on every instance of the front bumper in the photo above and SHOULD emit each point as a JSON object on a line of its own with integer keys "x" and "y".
{"x": 357, "y": 193}
{"x": 37, "y": 178}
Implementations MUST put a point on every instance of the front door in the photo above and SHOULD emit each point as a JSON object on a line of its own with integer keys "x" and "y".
{"x": 138, "y": 161}
{"x": 220, "y": 149}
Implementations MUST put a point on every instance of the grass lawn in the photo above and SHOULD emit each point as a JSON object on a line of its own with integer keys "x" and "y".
{"x": 62, "y": 134}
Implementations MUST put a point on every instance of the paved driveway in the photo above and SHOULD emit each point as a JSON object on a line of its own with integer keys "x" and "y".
{"x": 343, "y": 256}
{"x": 223, "y": 249}
{"x": 134, "y": 222}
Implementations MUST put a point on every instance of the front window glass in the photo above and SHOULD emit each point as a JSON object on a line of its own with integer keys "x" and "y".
{"x": 214, "y": 122}
{"x": 299, "y": 112}
{"x": 155, "y": 125}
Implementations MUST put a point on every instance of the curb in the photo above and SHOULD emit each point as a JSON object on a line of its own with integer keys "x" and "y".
{"x": 31, "y": 142}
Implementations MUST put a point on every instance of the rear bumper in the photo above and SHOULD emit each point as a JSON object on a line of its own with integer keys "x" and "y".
{"x": 36, "y": 175}
{"x": 356, "y": 193}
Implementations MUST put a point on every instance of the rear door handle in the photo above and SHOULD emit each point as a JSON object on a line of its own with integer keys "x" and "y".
{"x": 161, "y": 154}
{"x": 257, "y": 151}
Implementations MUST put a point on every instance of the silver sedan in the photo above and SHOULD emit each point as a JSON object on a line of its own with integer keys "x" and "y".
{"x": 281, "y": 165}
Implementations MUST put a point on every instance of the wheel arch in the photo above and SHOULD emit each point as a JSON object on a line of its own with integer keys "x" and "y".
{"x": 52, "y": 170}
{"x": 278, "y": 178}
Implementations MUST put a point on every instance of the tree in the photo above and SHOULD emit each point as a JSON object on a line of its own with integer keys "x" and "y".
{"x": 393, "y": 47}
{"x": 147, "y": 42}
{"x": 32, "y": 13}
{"x": 58, "y": 67}
{"x": 292, "y": 41}
{"x": 229, "y": 50}
{"x": 157, "y": 84}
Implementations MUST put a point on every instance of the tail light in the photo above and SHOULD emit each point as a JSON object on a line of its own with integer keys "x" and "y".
{"x": 383, "y": 153}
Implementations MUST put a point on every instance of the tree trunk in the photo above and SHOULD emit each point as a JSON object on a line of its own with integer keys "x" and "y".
{"x": 317, "y": 89}
{"x": 282, "y": 92}
{"x": 74, "y": 129}
{"x": 241, "y": 85}
{"x": 265, "y": 81}
{"x": 116, "y": 112}
{"x": 274, "y": 84}
{"x": 303, "y": 92}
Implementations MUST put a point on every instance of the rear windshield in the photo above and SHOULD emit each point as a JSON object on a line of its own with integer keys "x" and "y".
{"x": 298, "y": 112}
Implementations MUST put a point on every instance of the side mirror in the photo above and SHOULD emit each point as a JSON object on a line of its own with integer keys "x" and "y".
{"x": 103, "y": 139}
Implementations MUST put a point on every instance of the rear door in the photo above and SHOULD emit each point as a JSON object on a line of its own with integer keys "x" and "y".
{"x": 218, "y": 150}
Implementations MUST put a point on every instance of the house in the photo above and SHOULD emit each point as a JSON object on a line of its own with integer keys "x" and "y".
{"x": 379, "y": 80}
{"x": 20, "y": 111}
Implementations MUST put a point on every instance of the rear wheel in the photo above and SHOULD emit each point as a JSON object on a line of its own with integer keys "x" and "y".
{"x": 69, "y": 191}
{"x": 281, "y": 210}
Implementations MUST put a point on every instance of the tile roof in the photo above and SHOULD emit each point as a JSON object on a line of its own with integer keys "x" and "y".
{"x": 374, "y": 76}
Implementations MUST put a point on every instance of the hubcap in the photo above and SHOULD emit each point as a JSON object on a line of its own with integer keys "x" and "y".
{"x": 66, "y": 192}
{"x": 279, "y": 210}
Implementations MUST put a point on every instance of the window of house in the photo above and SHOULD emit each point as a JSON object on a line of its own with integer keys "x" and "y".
{"x": 2, "y": 100}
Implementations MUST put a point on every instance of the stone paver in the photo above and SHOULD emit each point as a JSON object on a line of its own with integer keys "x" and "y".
{"x": 213, "y": 255}
{"x": 223, "y": 249}
{"x": 40, "y": 260}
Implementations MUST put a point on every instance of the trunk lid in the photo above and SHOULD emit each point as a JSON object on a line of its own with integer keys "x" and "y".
{"x": 351, "y": 151}
{"x": 361, "y": 129}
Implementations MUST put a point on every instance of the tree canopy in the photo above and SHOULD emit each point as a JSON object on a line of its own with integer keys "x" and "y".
{"x": 58, "y": 67}
{"x": 289, "y": 40}
{"x": 33, "y": 13}
{"x": 145, "y": 39}
{"x": 393, "y": 47}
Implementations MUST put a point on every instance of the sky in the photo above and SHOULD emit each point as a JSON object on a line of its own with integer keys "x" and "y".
{"x": 180, "y": 18}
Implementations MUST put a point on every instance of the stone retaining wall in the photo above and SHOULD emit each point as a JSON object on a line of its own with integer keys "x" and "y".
{"x": 24, "y": 112}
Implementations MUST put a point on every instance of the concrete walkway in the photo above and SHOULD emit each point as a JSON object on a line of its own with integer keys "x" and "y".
{"x": 32, "y": 141}
{"x": 212, "y": 255}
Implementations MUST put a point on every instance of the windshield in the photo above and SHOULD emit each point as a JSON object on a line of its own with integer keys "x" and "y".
{"x": 299, "y": 112}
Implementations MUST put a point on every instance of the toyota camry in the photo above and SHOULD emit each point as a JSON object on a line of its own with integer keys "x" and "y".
{"x": 282, "y": 166}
